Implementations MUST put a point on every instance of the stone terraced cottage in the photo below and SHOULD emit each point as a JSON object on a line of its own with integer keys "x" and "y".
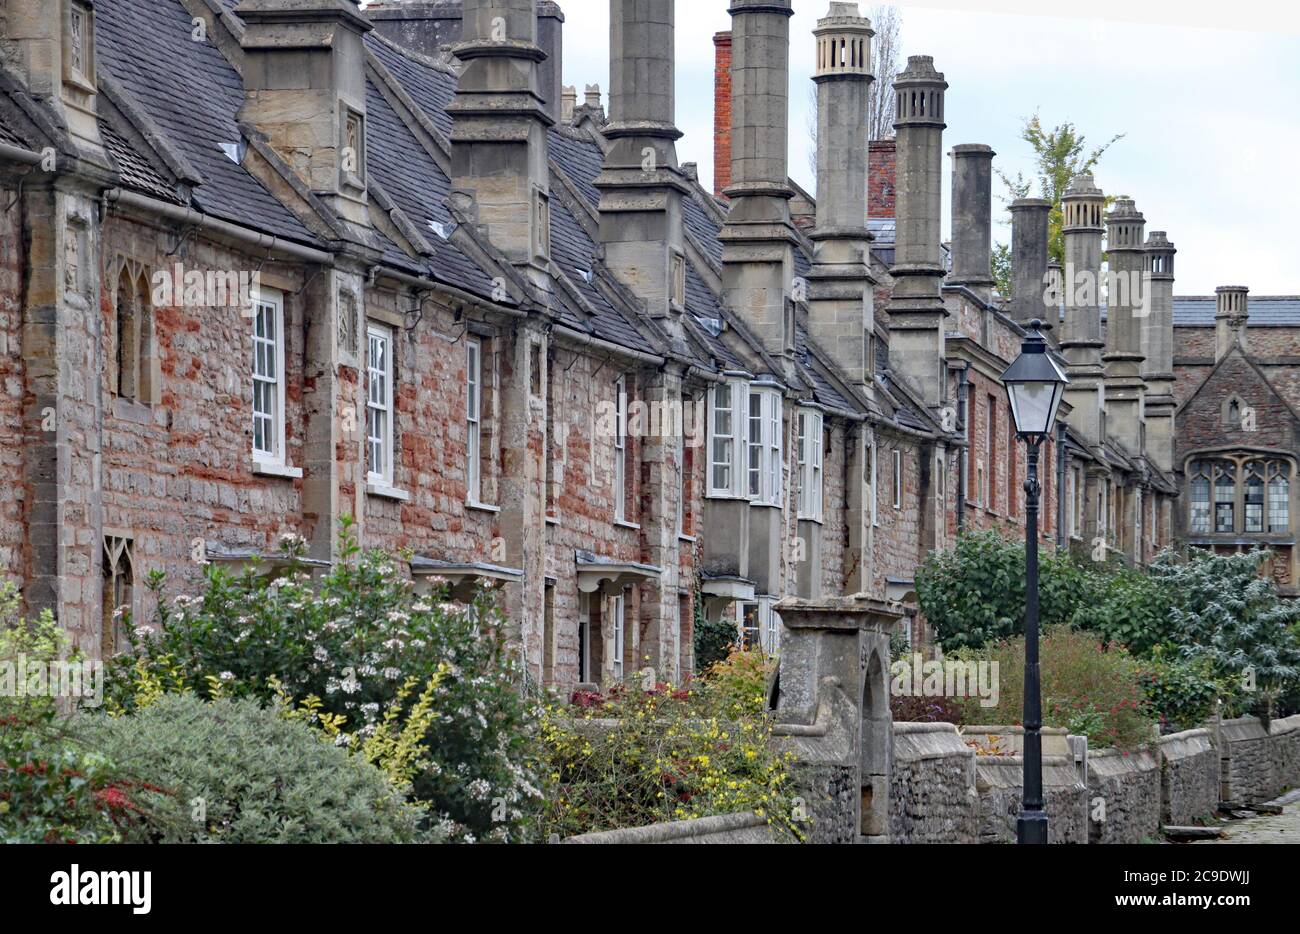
{"x": 270, "y": 263}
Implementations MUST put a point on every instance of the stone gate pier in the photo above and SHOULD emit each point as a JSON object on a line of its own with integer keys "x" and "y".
{"x": 831, "y": 696}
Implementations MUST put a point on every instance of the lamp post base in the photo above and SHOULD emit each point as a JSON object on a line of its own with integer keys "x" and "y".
{"x": 1031, "y": 827}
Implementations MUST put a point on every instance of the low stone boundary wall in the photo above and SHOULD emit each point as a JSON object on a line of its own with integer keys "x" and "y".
{"x": 1123, "y": 796}
{"x": 723, "y": 828}
{"x": 1258, "y": 763}
{"x": 932, "y": 789}
{"x": 998, "y": 784}
{"x": 1189, "y": 777}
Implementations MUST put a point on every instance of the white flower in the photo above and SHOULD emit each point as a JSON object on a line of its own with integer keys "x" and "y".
{"x": 320, "y": 654}
{"x": 227, "y": 676}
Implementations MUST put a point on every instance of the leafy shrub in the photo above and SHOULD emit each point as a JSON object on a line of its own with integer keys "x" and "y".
{"x": 1087, "y": 687}
{"x": 1230, "y": 615}
{"x": 738, "y": 683}
{"x": 638, "y": 757}
{"x": 915, "y": 708}
{"x": 714, "y": 638}
{"x": 357, "y": 653}
{"x": 230, "y": 771}
{"x": 1181, "y": 692}
{"x": 1130, "y": 606}
{"x": 974, "y": 593}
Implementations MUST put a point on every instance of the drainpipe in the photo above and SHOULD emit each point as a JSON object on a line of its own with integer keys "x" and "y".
{"x": 1060, "y": 485}
{"x": 963, "y": 457}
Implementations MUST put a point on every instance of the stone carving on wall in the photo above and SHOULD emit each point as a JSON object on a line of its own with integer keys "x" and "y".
{"x": 347, "y": 312}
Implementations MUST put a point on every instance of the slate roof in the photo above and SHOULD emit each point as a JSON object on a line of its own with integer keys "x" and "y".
{"x": 1197, "y": 311}
{"x": 9, "y": 136}
{"x": 137, "y": 172}
{"x": 192, "y": 93}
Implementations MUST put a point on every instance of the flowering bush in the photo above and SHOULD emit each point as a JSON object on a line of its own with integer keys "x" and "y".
{"x": 1182, "y": 692}
{"x": 358, "y": 654}
{"x": 633, "y": 757}
{"x": 1087, "y": 687}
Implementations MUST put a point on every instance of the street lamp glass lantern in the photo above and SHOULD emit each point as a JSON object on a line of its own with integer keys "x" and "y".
{"x": 1035, "y": 384}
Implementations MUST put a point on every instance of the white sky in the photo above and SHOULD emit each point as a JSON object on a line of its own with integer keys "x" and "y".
{"x": 1210, "y": 114}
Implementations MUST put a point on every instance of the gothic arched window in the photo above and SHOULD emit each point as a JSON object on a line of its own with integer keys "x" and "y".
{"x": 1225, "y": 497}
{"x": 1279, "y": 497}
{"x": 1253, "y": 503}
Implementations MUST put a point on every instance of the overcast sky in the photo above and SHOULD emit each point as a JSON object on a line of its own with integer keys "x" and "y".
{"x": 1212, "y": 132}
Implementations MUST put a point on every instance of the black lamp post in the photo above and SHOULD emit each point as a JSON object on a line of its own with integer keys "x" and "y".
{"x": 1034, "y": 385}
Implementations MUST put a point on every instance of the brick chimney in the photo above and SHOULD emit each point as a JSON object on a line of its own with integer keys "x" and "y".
{"x": 882, "y": 177}
{"x": 721, "y": 112}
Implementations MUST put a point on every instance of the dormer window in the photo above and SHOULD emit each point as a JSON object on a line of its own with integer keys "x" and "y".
{"x": 79, "y": 45}
{"x": 352, "y": 158}
{"x": 679, "y": 280}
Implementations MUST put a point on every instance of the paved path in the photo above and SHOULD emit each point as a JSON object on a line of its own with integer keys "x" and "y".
{"x": 1281, "y": 828}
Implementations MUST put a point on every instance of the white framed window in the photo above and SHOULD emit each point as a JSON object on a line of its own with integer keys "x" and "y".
{"x": 681, "y": 474}
{"x": 810, "y": 465}
{"x": 875, "y": 486}
{"x": 268, "y": 376}
{"x": 758, "y": 625}
{"x": 620, "y": 450}
{"x": 617, "y": 605}
{"x": 379, "y": 403}
{"x": 898, "y": 478}
{"x": 724, "y": 438}
{"x": 941, "y": 487}
{"x": 764, "y": 447}
{"x": 474, "y": 418}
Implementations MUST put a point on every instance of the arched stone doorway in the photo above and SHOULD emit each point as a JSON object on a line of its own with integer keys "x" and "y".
{"x": 877, "y": 739}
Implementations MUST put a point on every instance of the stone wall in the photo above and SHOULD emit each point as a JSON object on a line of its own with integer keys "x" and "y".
{"x": 1123, "y": 796}
{"x": 1259, "y": 763}
{"x": 1065, "y": 798}
{"x": 932, "y": 789}
{"x": 722, "y": 828}
{"x": 1189, "y": 777}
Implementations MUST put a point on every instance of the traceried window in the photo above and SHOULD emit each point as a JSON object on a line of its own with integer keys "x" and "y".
{"x": 1279, "y": 492}
{"x": 810, "y": 465}
{"x": 353, "y": 161}
{"x": 80, "y": 43}
{"x": 268, "y": 376}
{"x": 1225, "y": 497}
{"x": 379, "y": 403}
{"x": 1253, "y": 502}
{"x": 1199, "y": 518}
{"x": 118, "y": 593}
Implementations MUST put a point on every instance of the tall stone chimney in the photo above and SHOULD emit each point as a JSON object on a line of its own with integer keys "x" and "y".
{"x": 1126, "y": 306}
{"x": 1028, "y": 258}
{"x": 840, "y": 301}
{"x": 758, "y": 238}
{"x": 641, "y": 186}
{"x": 1231, "y": 315}
{"x": 916, "y": 308}
{"x": 1158, "y": 349}
{"x": 839, "y": 284}
{"x": 972, "y": 218}
{"x": 1083, "y": 207}
{"x": 305, "y": 89}
{"x": 721, "y": 112}
{"x": 499, "y": 124}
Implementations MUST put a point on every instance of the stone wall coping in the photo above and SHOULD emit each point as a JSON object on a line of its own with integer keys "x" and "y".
{"x": 1008, "y": 772}
{"x": 911, "y": 726}
{"x": 1285, "y": 725}
{"x": 1185, "y": 744}
{"x": 1103, "y": 762}
{"x": 673, "y": 831}
{"x": 1000, "y": 729}
{"x": 1242, "y": 729}
{"x": 1199, "y": 731}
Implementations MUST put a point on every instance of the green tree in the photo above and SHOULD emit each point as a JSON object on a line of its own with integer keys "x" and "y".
{"x": 1060, "y": 154}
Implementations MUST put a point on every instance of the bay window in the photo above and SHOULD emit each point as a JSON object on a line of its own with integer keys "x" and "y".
{"x": 764, "y": 447}
{"x": 810, "y": 465}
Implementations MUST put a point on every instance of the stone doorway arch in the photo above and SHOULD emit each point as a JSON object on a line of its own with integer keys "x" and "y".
{"x": 877, "y": 740}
